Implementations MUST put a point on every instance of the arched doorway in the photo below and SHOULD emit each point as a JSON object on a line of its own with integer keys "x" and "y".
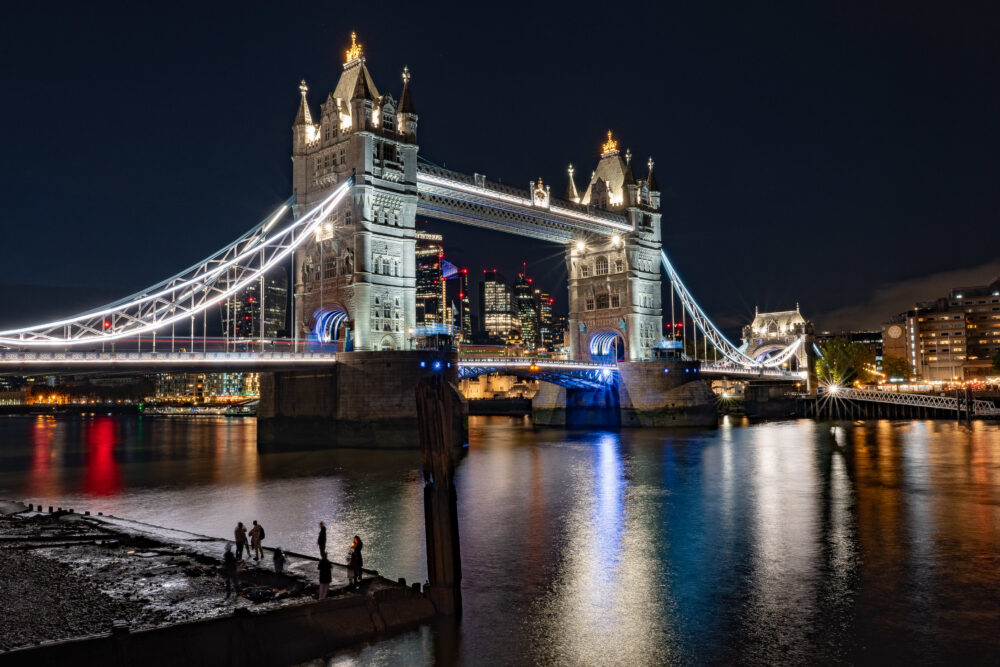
{"x": 607, "y": 346}
{"x": 328, "y": 324}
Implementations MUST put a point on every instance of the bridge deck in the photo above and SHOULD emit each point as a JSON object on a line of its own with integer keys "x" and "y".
{"x": 35, "y": 363}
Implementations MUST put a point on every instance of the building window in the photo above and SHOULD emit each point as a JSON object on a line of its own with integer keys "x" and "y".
{"x": 619, "y": 266}
{"x": 330, "y": 270}
{"x": 602, "y": 301}
{"x": 585, "y": 270}
{"x": 601, "y": 266}
{"x": 385, "y": 266}
{"x": 588, "y": 304}
{"x": 615, "y": 301}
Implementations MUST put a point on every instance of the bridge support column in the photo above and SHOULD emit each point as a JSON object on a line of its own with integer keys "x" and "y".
{"x": 366, "y": 400}
{"x": 644, "y": 394}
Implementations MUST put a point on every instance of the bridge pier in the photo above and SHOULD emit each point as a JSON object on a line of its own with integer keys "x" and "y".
{"x": 644, "y": 394}
{"x": 366, "y": 400}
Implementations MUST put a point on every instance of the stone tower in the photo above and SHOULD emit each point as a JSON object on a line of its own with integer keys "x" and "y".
{"x": 355, "y": 282}
{"x": 614, "y": 282}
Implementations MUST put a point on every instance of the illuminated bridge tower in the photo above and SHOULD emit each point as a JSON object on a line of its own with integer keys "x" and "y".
{"x": 614, "y": 282}
{"x": 355, "y": 284}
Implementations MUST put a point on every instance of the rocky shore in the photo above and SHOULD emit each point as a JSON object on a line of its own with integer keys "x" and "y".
{"x": 66, "y": 576}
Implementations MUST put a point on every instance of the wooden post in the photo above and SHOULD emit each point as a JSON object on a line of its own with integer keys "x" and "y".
{"x": 436, "y": 413}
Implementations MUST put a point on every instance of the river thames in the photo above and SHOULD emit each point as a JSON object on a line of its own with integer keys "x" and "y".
{"x": 790, "y": 541}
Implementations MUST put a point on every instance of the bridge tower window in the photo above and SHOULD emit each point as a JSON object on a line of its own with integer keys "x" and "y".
{"x": 588, "y": 304}
{"x": 602, "y": 301}
{"x": 615, "y": 301}
{"x": 601, "y": 266}
{"x": 330, "y": 270}
{"x": 585, "y": 270}
{"x": 619, "y": 266}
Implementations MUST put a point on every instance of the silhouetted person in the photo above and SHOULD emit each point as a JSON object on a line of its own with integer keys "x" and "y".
{"x": 241, "y": 540}
{"x": 325, "y": 577}
{"x": 230, "y": 571}
{"x": 321, "y": 541}
{"x": 354, "y": 566}
{"x": 256, "y": 535}
{"x": 279, "y": 561}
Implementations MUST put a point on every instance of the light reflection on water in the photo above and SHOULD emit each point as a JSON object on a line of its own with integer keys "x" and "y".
{"x": 794, "y": 541}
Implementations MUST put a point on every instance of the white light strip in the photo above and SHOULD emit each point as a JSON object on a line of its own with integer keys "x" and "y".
{"x": 308, "y": 222}
{"x": 198, "y": 360}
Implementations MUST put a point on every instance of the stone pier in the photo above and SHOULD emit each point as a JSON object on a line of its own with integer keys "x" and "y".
{"x": 367, "y": 400}
{"x": 645, "y": 393}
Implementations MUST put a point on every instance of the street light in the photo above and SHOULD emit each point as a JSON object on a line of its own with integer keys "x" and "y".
{"x": 580, "y": 246}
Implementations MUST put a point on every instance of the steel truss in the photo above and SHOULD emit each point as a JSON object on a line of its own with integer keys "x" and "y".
{"x": 190, "y": 292}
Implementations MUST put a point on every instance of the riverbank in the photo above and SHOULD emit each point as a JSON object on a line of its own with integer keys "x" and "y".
{"x": 105, "y": 590}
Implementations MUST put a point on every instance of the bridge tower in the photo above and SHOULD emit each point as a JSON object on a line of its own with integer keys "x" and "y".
{"x": 614, "y": 282}
{"x": 355, "y": 283}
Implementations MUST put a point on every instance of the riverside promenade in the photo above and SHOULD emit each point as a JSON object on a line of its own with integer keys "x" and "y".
{"x": 111, "y": 591}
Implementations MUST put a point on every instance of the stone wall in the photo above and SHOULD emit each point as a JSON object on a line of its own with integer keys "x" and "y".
{"x": 366, "y": 400}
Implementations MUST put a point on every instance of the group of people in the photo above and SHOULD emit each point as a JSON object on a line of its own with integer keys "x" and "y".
{"x": 354, "y": 563}
{"x": 250, "y": 541}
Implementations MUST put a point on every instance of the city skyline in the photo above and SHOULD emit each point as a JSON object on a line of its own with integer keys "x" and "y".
{"x": 758, "y": 172}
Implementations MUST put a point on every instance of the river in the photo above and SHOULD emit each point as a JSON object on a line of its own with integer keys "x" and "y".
{"x": 790, "y": 541}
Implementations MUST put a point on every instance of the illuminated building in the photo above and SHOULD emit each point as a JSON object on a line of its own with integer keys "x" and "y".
{"x": 464, "y": 306}
{"x": 546, "y": 332}
{"x": 527, "y": 312}
{"x": 241, "y": 315}
{"x": 614, "y": 281}
{"x": 495, "y": 307}
{"x": 431, "y": 304}
{"x": 355, "y": 283}
{"x": 771, "y": 333}
{"x": 206, "y": 387}
{"x": 950, "y": 338}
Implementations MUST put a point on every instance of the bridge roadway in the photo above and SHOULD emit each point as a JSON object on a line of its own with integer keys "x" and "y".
{"x": 579, "y": 373}
{"x": 68, "y": 363}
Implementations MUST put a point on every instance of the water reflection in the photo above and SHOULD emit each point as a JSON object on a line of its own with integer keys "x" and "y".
{"x": 793, "y": 541}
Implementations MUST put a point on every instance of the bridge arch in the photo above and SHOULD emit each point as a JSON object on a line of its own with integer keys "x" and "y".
{"x": 608, "y": 345}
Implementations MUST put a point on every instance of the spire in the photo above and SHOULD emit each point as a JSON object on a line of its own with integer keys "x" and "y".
{"x": 571, "y": 193}
{"x": 651, "y": 180}
{"x": 406, "y": 99}
{"x": 362, "y": 91}
{"x": 303, "y": 117}
{"x": 627, "y": 177}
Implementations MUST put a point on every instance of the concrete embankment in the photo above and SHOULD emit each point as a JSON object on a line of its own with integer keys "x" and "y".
{"x": 107, "y": 591}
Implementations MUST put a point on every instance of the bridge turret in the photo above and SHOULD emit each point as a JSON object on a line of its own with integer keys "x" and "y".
{"x": 571, "y": 192}
{"x": 304, "y": 135}
{"x": 653, "y": 186}
{"x": 406, "y": 114}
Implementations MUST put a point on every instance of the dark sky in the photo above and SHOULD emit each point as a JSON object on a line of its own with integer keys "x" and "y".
{"x": 820, "y": 152}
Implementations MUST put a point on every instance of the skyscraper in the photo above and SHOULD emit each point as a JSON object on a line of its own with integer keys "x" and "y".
{"x": 464, "y": 306}
{"x": 546, "y": 334}
{"x": 495, "y": 307}
{"x": 431, "y": 302}
{"x": 241, "y": 314}
{"x": 527, "y": 313}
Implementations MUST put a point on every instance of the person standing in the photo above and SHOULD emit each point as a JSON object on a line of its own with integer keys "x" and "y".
{"x": 279, "y": 561}
{"x": 321, "y": 540}
{"x": 241, "y": 540}
{"x": 256, "y": 535}
{"x": 325, "y": 577}
{"x": 356, "y": 561}
{"x": 230, "y": 571}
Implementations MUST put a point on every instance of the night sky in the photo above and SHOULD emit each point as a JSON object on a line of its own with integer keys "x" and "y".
{"x": 841, "y": 155}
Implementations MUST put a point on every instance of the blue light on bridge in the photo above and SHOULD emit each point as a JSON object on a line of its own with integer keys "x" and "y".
{"x": 423, "y": 364}
{"x": 436, "y": 365}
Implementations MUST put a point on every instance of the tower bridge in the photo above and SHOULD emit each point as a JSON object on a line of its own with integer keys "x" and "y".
{"x": 349, "y": 233}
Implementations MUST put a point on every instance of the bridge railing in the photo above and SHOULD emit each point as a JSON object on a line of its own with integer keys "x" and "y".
{"x": 913, "y": 400}
{"x": 541, "y": 362}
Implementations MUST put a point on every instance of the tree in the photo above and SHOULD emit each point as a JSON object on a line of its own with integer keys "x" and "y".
{"x": 896, "y": 368}
{"x": 842, "y": 361}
